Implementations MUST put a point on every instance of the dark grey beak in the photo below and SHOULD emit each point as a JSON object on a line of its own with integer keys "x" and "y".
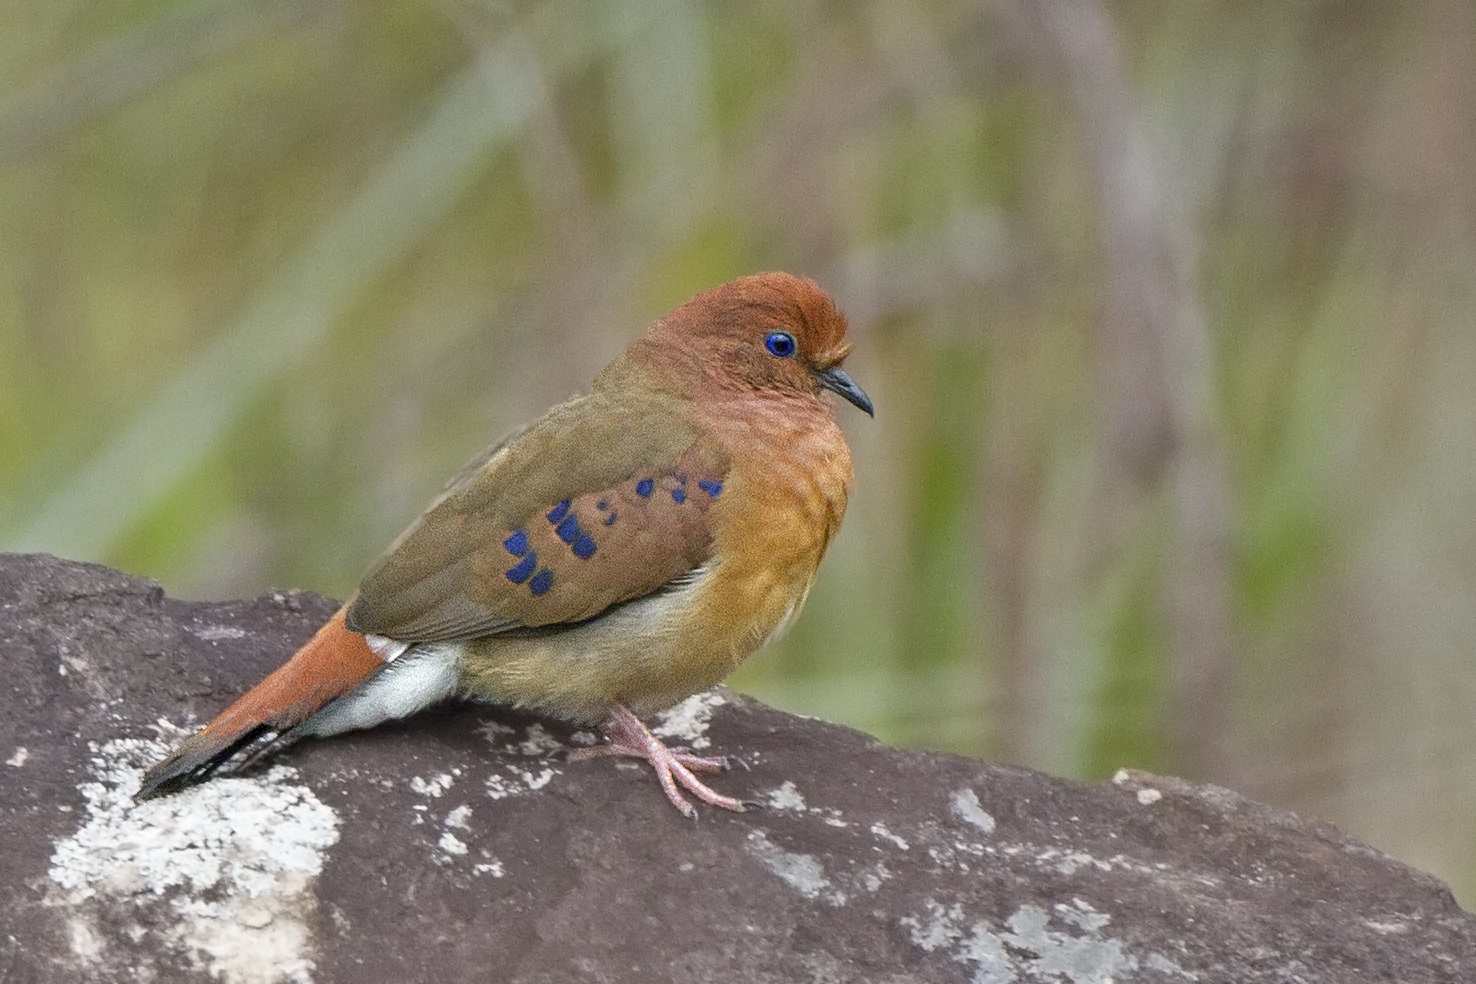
{"x": 836, "y": 380}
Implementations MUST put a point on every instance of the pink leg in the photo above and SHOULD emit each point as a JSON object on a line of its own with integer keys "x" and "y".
{"x": 674, "y": 766}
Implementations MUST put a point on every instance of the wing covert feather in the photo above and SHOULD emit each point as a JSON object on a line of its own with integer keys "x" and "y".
{"x": 596, "y": 504}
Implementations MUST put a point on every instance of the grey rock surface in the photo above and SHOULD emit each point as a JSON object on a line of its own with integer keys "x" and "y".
{"x": 459, "y": 846}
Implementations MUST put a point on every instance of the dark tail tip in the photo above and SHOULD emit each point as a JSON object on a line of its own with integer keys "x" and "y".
{"x": 198, "y": 757}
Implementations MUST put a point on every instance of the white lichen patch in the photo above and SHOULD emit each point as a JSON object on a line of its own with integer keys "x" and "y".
{"x": 450, "y": 847}
{"x": 169, "y": 732}
{"x": 786, "y": 797}
{"x": 955, "y": 855}
{"x": 1162, "y": 964}
{"x": 946, "y": 850}
{"x": 966, "y": 806}
{"x": 434, "y": 786}
{"x": 538, "y": 743}
{"x": 1146, "y": 795}
{"x": 19, "y": 758}
{"x": 517, "y": 782}
{"x": 874, "y": 877}
{"x": 807, "y": 874}
{"x": 233, "y": 861}
{"x": 1089, "y": 958}
{"x": 687, "y": 722}
{"x": 214, "y": 633}
{"x": 977, "y": 946}
{"x": 498, "y": 788}
{"x": 880, "y": 831}
{"x": 802, "y": 872}
{"x": 1081, "y": 914}
{"x": 1388, "y": 926}
{"x": 1027, "y": 948}
{"x": 495, "y": 732}
{"x": 538, "y": 781}
{"x": 1069, "y": 862}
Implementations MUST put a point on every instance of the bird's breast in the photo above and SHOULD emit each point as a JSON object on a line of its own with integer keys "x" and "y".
{"x": 789, "y": 481}
{"x": 772, "y": 516}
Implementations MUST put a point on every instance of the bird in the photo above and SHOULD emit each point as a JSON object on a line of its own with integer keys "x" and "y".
{"x": 626, "y": 551}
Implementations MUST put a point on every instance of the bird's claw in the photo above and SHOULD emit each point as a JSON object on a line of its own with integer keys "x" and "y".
{"x": 675, "y": 768}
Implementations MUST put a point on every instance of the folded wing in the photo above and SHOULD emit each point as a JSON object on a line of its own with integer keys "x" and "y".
{"x": 598, "y": 504}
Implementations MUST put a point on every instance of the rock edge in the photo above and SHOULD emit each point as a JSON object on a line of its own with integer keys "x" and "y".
{"x": 460, "y": 846}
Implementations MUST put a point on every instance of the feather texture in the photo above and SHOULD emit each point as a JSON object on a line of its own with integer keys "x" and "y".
{"x": 625, "y": 551}
{"x": 491, "y": 556}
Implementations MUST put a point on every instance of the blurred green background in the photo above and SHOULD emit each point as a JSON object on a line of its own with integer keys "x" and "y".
{"x": 1166, "y": 309}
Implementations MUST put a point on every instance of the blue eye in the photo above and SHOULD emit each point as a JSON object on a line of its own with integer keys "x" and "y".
{"x": 780, "y": 344}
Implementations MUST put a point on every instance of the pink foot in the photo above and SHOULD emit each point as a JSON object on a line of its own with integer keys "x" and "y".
{"x": 674, "y": 766}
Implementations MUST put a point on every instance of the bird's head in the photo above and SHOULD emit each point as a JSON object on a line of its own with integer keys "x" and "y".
{"x": 770, "y": 332}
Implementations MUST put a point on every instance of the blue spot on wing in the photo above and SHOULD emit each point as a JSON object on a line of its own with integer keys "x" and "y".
{"x": 541, "y": 582}
{"x": 519, "y": 573}
{"x": 645, "y": 487}
{"x": 610, "y": 519}
{"x": 678, "y": 495}
{"x": 568, "y": 529}
{"x": 602, "y": 505}
{"x": 517, "y": 544}
{"x": 584, "y": 546}
{"x": 557, "y": 512}
{"x": 710, "y": 486}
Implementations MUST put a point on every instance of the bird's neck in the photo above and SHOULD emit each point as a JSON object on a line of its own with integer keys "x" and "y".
{"x": 787, "y": 444}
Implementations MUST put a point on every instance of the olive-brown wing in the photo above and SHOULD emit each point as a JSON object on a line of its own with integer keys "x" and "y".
{"x": 597, "y": 504}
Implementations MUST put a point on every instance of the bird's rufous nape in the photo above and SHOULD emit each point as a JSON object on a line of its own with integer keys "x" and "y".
{"x": 627, "y": 550}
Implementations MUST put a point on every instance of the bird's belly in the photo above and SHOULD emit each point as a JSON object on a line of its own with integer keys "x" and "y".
{"x": 648, "y": 654}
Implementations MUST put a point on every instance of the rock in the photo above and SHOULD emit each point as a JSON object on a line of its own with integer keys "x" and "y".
{"x": 460, "y": 846}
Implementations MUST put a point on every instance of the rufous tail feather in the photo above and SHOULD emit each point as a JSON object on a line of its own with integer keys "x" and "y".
{"x": 332, "y": 663}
